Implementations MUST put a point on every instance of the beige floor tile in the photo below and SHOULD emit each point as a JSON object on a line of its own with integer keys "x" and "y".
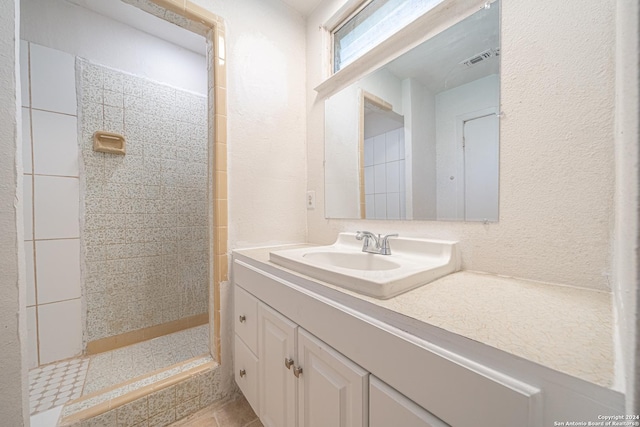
{"x": 237, "y": 413}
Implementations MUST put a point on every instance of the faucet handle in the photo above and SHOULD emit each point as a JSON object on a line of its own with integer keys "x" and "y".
{"x": 385, "y": 249}
{"x": 364, "y": 234}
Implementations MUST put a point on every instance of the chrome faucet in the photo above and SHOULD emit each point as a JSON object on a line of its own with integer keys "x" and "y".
{"x": 381, "y": 243}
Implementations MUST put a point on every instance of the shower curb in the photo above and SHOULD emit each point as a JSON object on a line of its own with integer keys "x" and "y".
{"x": 160, "y": 398}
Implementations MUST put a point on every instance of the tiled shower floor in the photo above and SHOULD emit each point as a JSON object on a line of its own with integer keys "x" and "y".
{"x": 58, "y": 383}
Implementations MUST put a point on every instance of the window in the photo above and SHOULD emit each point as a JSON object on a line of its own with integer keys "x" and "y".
{"x": 372, "y": 24}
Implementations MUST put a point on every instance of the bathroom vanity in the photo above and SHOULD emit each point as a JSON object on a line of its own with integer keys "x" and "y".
{"x": 466, "y": 350}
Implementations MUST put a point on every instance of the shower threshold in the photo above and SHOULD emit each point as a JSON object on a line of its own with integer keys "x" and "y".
{"x": 84, "y": 382}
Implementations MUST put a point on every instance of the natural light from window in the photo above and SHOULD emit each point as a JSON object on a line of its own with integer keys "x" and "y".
{"x": 378, "y": 20}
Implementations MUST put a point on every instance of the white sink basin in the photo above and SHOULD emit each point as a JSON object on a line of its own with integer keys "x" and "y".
{"x": 412, "y": 263}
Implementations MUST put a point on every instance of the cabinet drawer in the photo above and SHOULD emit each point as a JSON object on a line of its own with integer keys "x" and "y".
{"x": 246, "y": 373}
{"x": 387, "y": 407}
{"x": 246, "y": 318}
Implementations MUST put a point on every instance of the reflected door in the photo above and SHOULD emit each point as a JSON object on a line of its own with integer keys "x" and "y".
{"x": 481, "y": 155}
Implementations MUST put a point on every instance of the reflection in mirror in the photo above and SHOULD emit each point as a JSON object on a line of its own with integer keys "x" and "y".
{"x": 418, "y": 138}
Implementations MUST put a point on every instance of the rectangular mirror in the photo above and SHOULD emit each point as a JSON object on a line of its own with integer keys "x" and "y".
{"x": 418, "y": 138}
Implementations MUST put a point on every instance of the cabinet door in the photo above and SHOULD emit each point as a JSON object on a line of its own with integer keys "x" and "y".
{"x": 333, "y": 391}
{"x": 387, "y": 408}
{"x": 276, "y": 343}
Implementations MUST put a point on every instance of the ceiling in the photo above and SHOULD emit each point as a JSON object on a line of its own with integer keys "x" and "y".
{"x": 305, "y": 7}
{"x": 436, "y": 63}
{"x": 143, "y": 21}
{"x": 146, "y": 22}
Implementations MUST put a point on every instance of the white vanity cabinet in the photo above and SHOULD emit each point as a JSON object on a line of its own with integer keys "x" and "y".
{"x": 362, "y": 366}
{"x": 300, "y": 374}
{"x": 387, "y": 408}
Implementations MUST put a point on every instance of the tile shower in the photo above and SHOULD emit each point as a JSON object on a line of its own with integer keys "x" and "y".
{"x": 115, "y": 244}
{"x": 144, "y": 214}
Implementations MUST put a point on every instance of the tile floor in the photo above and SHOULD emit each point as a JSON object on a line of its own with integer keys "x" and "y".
{"x": 237, "y": 413}
{"x": 56, "y": 384}
{"x": 61, "y": 382}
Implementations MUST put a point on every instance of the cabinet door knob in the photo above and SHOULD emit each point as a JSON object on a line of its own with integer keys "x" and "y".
{"x": 288, "y": 363}
{"x": 243, "y": 318}
{"x": 297, "y": 371}
{"x": 242, "y": 373}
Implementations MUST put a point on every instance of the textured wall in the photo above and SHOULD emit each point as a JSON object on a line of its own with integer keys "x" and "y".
{"x": 265, "y": 47}
{"x": 627, "y": 231}
{"x": 14, "y": 406}
{"x": 144, "y": 230}
{"x": 556, "y": 148}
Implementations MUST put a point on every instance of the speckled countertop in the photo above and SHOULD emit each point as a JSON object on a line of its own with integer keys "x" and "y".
{"x": 564, "y": 328}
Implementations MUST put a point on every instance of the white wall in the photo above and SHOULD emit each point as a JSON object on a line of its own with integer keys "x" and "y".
{"x": 474, "y": 96}
{"x": 627, "y": 237}
{"x": 343, "y": 175}
{"x": 557, "y": 170}
{"x": 420, "y": 140}
{"x": 14, "y": 407}
{"x": 266, "y": 120}
{"x": 82, "y": 32}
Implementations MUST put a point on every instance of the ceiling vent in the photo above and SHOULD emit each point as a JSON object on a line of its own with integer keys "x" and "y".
{"x": 482, "y": 56}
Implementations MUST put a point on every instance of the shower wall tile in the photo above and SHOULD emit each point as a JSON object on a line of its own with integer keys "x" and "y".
{"x": 31, "y": 284}
{"x": 56, "y": 207}
{"x": 55, "y": 144}
{"x": 53, "y": 80}
{"x": 58, "y": 270}
{"x": 24, "y": 72}
{"x": 384, "y": 171}
{"x": 32, "y": 337}
{"x": 51, "y": 205}
{"x": 27, "y": 161}
{"x": 145, "y": 227}
{"x": 27, "y": 191}
{"x": 60, "y": 330}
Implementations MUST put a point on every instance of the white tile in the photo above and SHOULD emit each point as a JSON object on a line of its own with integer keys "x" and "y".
{"x": 380, "y": 206}
{"x": 403, "y": 205}
{"x": 53, "y": 80}
{"x": 60, "y": 330}
{"x": 27, "y": 162}
{"x": 31, "y": 285}
{"x": 401, "y": 149}
{"x": 368, "y": 152}
{"x": 47, "y": 418}
{"x": 392, "y": 149}
{"x": 401, "y": 176}
{"x": 32, "y": 337}
{"x": 380, "y": 178}
{"x": 369, "y": 180}
{"x": 56, "y": 207}
{"x": 369, "y": 201}
{"x": 393, "y": 205}
{"x": 393, "y": 177}
{"x": 27, "y": 206}
{"x": 55, "y": 144}
{"x": 58, "y": 270}
{"x": 24, "y": 72}
{"x": 379, "y": 149}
